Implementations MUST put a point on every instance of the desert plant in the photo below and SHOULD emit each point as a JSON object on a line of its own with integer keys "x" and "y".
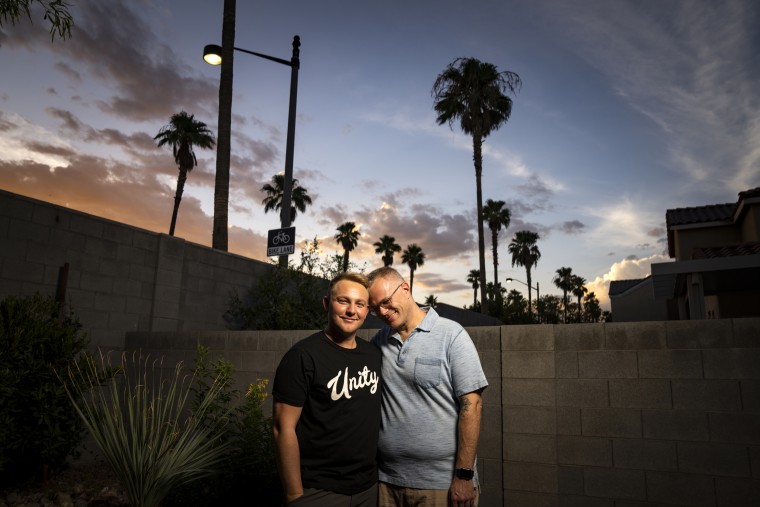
{"x": 139, "y": 420}
{"x": 249, "y": 469}
{"x": 39, "y": 427}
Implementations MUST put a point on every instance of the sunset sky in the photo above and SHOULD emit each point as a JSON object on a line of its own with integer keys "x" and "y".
{"x": 627, "y": 109}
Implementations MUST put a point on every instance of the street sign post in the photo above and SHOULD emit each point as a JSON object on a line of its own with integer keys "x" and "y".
{"x": 281, "y": 241}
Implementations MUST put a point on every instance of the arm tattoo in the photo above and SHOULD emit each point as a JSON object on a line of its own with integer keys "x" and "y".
{"x": 465, "y": 404}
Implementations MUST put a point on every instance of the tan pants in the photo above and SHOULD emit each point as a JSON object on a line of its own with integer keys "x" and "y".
{"x": 390, "y": 495}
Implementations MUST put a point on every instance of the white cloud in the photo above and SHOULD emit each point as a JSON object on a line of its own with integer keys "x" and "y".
{"x": 627, "y": 269}
{"x": 19, "y": 132}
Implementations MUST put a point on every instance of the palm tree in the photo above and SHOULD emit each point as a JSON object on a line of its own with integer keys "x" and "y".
{"x": 273, "y": 201}
{"x": 564, "y": 282}
{"x": 497, "y": 216}
{"x": 474, "y": 93}
{"x": 182, "y": 133}
{"x": 473, "y": 278}
{"x": 525, "y": 253}
{"x": 413, "y": 257}
{"x": 348, "y": 238}
{"x": 219, "y": 235}
{"x": 388, "y": 247}
{"x": 579, "y": 290}
{"x": 431, "y": 301}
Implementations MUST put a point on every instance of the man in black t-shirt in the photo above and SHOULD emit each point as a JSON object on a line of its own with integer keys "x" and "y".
{"x": 327, "y": 407}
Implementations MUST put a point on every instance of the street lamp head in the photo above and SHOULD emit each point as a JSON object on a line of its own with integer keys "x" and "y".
{"x": 212, "y": 54}
{"x": 509, "y": 280}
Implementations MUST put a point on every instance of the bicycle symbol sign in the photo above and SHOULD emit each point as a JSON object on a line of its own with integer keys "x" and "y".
{"x": 281, "y": 241}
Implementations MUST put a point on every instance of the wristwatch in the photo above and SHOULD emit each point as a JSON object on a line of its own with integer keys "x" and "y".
{"x": 464, "y": 473}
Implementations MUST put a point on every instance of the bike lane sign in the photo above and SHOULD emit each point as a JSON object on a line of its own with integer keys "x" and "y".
{"x": 281, "y": 241}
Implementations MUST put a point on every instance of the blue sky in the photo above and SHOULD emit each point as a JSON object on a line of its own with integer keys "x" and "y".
{"x": 627, "y": 109}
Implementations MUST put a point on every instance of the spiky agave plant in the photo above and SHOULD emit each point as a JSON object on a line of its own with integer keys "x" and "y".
{"x": 139, "y": 417}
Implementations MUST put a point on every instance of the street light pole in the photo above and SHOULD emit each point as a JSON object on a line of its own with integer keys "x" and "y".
{"x": 538, "y": 295}
{"x": 212, "y": 55}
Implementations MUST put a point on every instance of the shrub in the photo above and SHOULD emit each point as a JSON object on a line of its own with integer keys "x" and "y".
{"x": 39, "y": 428}
{"x": 140, "y": 422}
{"x": 250, "y": 470}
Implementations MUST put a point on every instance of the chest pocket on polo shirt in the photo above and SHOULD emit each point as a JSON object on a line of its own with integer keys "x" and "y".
{"x": 427, "y": 372}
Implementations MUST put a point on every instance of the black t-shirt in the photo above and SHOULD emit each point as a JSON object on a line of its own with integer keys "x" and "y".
{"x": 339, "y": 390}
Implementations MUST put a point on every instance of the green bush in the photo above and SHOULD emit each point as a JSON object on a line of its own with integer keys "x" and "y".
{"x": 39, "y": 428}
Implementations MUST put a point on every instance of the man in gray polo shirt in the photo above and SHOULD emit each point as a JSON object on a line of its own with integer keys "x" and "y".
{"x": 431, "y": 403}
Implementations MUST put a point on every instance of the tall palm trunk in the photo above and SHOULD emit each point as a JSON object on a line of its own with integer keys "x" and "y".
{"x": 219, "y": 236}
{"x": 177, "y": 198}
{"x": 494, "y": 247}
{"x": 477, "y": 157}
{"x": 527, "y": 275}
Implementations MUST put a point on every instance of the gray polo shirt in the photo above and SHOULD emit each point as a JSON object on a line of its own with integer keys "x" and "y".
{"x": 423, "y": 379}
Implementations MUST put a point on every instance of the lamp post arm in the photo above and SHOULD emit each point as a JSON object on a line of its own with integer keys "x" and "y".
{"x": 267, "y": 57}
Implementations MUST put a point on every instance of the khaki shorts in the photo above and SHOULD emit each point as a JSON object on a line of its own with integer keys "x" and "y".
{"x": 390, "y": 495}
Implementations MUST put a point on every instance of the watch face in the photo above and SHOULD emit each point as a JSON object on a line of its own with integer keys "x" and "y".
{"x": 464, "y": 473}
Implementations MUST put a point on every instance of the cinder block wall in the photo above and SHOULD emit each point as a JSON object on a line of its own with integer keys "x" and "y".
{"x": 590, "y": 415}
{"x": 121, "y": 278}
{"x": 632, "y": 414}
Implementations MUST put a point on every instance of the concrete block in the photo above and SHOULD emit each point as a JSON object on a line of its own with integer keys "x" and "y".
{"x": 531, "y": 448}
{"x": 582, "y": 393}
{"x": 110, "y": 303}
{"x": 584, "y": 501}
{"x": 713, "y": 459}
{"x": 28, "y": 231}
{"x": 490, "y": 472}
{"x": 25, "y": 271}
{"x": 572, "y": 450}
{"x": 707, "y": 395}
{"x": 737, "y": 492}
{"x": 485, "y": 338}
{"x": 741, "y": 428}
{"x": 641, "y": 393}
{"x": 579, "y": 337}
{"x": 732, "y": 363}
{"x": 675, "y": 425}
{"x": 746, "y": 332}
{"x": 680, "y": 489}
{"x": 86, "y": 225}
{"x": 518, "y": 364}
{"x": 635, "y": 335}
{"x": 566, "y": 364}
{"x": 570, "y": 480}
{"x": 528, "y": 337}
{"x": 526, "y": 499}
{"x": 532, "y": 392}
{"x": 259, "y": 361}
{"x": 615, "y": 483}
{"x": 611, "y": 422}
{"x": 491, "y": 437}
{"x": 750, "y": 395}
{"x": 530, "y": 477}
{"x": 645, "y": 454}
{"x": 568, "y": 421}
{"x": 754, "y": 458}
{"x": 699, "y": 334}
{"x": 670, "y": 364}
{"x": 607, "y": 364}
{"x": 530, "y": 420}
{"x": 490, "y": 361}
{"x": 101, "y": 248}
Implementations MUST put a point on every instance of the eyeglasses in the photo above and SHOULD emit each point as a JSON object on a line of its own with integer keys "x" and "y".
{"x": 385, "y": 303}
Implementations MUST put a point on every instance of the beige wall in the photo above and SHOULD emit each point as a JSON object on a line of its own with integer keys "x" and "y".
{"x": 589, "y": 415}
{"x": 121, "y": 278}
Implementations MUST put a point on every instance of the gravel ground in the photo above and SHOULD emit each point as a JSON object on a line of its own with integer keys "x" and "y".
{"x": 87, "y": 482}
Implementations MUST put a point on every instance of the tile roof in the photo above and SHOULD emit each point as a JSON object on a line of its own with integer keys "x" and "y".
{"x": 700, "y": 214}
{"x": 620, "y": 286}
{"x": 726, "y": 251}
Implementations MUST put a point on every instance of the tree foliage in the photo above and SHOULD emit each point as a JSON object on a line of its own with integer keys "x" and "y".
{"x": 56, "y": 13}
{"x": 39, "y": 427}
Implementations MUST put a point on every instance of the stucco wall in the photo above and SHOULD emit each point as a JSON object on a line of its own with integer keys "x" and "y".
{"x": 589, "y": 415}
